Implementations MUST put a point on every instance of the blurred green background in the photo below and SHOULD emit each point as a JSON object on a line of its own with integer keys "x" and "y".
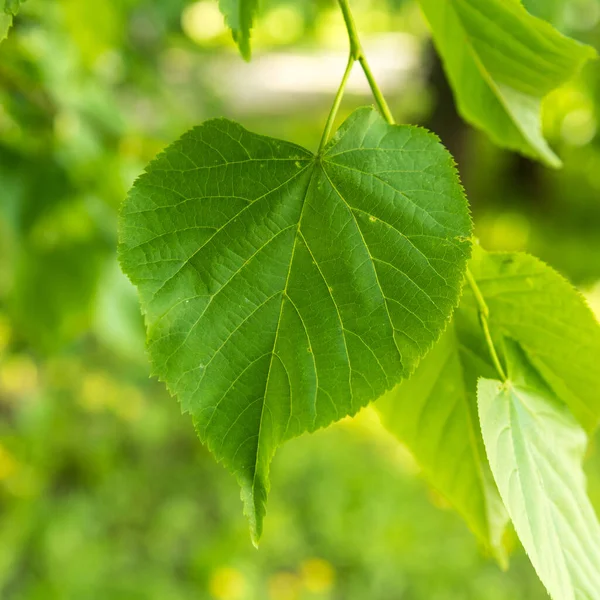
{"x": 105, "y": 492}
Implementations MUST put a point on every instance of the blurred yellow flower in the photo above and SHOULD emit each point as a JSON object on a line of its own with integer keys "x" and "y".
{"x": 227, "y": 583}
{"x": 202, "y": 21}
{"x": 8, "y": 464}
{"x": 318, "y": 575}
{"x": 18, "y": 376}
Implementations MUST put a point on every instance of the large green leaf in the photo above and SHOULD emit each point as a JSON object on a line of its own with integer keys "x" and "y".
{"x": 535, "y": 448}
{"x": 531, "y": 303}
{"x": 434, "y": 413}
{"x": 283, "y": 290}
{"x": 501, "y": 62}
{"x": 239, "y": 15}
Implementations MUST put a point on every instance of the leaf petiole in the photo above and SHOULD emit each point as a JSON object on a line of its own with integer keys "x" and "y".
{"x": 356, "y": 51}
{"x": 356, "y": 54}
{"x": 484, "y": 315}
{"x": 336, "y": 103}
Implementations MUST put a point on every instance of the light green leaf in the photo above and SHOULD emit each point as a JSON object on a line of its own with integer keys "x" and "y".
{"x": 535, "y": 448}
{"x": 239, "y": 15}
{"x": 5, "y": 25}
{"x": 531, "y": 303}
{"x": 282, "y": 290}
{"x": 434, "y": 413}
{"x": 9, "y": 9}
{"x": 501, "y": 62}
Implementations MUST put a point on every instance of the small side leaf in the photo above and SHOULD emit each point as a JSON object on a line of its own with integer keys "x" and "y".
{"x": 282, "y": 290}
{"x": 501, "y": 62}
{"x": 531, "y": 303}
{"x": 535, "y": 448}
{"x": 239, "y": 16}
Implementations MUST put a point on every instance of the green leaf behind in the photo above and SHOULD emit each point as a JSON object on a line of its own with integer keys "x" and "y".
{"x": 239, "y": 15}
{"x": 434, "y": 413}
{"x": 10, "y": 8}
{"x": 535, "y": 448}
{"x": 282, "y": 290}
{"x": 501, "y": 62}
{"x": 531, "y": 303}
{"x": 5, "y": 24}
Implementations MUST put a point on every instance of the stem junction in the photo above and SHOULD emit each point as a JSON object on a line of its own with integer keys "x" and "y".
{"x": 356, "y": 55}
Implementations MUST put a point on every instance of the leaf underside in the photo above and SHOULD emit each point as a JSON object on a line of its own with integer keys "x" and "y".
{"x": 535, "y": 448}
{"x": 282, "y": 290}
{"x": 501, "y": 62}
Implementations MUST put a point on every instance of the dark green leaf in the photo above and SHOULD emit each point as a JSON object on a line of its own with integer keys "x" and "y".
{"x": 282, "y": 290}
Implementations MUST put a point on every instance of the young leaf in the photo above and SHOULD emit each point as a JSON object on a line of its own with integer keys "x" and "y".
{"x": 435, "y": 414}
{"x": 282, "y": 290}
{"x": 531, "y": 303}
{"x": 501, "y": 62}
{"x": 239, "y": 15}
{"x": 535, "y": 448}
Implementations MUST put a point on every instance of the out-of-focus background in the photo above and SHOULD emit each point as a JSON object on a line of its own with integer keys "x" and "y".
{"x": 105, "y": 492}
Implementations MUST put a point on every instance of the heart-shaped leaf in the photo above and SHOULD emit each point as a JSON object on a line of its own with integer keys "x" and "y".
{"x": 283, "y": 290}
